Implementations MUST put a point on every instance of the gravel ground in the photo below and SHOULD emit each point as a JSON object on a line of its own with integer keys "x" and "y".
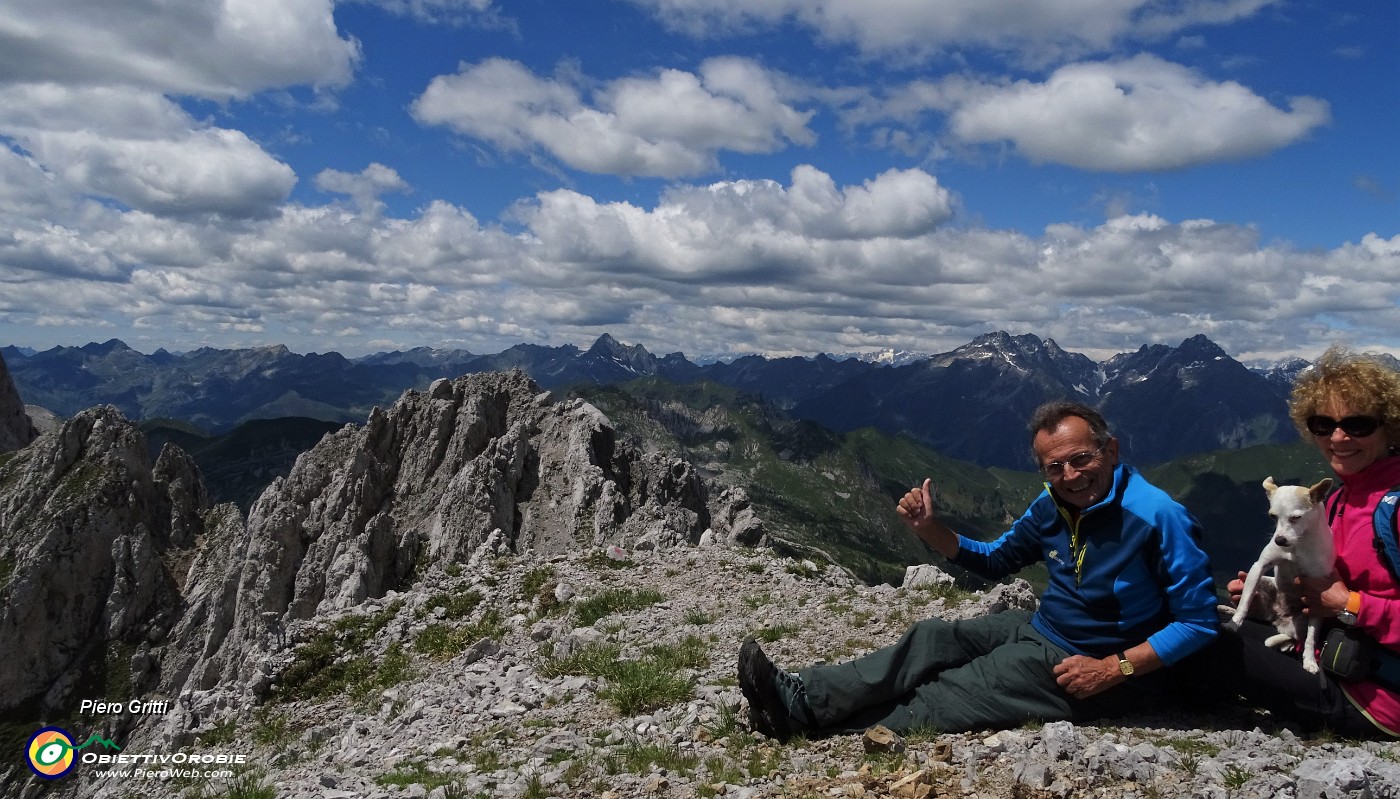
{"x": 496, "y": 682}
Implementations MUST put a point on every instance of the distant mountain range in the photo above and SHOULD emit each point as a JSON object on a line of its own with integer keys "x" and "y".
{"x": 971, "y": 403}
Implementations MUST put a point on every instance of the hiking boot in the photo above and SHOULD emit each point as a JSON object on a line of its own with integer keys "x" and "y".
{"x": 777, "y": 700}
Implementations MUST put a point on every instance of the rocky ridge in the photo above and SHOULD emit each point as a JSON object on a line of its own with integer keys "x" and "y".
{"x": 16, "y": 429}
{"x": 118, "y": 579}
{"x": 483, "y": 592}
{"x": 89, "y": 536}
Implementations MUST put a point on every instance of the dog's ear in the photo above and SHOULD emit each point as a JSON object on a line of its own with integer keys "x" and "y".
{"x": 1319, "y": 491}
{"x": 1269, "y": 486}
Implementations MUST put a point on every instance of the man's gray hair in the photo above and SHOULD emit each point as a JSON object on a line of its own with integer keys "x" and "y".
{"x": 1048, "y": 417}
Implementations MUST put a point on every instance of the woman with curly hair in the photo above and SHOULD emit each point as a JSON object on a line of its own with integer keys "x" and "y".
{"x": 1349, "y": 406}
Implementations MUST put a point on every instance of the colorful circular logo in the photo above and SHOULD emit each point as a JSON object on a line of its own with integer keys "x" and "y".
{"x": 51, "y": 753}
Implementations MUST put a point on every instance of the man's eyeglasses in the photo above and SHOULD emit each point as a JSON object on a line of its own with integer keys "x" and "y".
{"x": 1354, "y": 426}
{"x": 1080, "y": 462}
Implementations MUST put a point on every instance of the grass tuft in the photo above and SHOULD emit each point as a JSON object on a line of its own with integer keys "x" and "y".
{"x": 635, "y": 686}
{"x": 325, "y": 665}
{"x": 698, "y": 617}
{"x": 222, "y": 734}
{"x": 535, "y": 580}
{"x": 413, "y": 773}
{"x": 638, "y": 686}
{"x": 591, "y": 660}
{"x": 613, "y": 601}
{"x": 690, "y": 653}
{"x": 271, "y": 728}
{"x": 1236, "y": 776}
{"x": 636, "y": 757}
{"x": 455, "y": 605}
{"x": 776, "y": 632}
{"x": 442, "y": 641}
{"x": 950, "y": 593}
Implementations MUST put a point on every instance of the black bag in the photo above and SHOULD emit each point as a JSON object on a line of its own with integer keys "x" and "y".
{"x": 1348, "y": 654}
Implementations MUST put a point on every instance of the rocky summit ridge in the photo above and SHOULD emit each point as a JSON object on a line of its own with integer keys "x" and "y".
{"x": 484, "y": 592}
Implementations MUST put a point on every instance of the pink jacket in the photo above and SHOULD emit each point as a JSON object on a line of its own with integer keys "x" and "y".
{"x": 1362, "y": 571}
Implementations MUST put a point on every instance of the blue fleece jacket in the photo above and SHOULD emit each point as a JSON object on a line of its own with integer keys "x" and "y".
{"x": 1131, "y": 569}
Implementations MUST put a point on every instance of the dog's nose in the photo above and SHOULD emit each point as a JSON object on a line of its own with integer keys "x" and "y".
{"x": 1280, "y": 541}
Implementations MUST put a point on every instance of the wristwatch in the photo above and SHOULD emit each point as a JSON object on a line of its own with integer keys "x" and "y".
{"x": 1124, "y": 665}
{"x": 1347, "y": 615}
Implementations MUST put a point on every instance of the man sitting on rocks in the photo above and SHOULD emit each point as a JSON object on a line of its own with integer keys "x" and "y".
{"x": 1129, "y": 592}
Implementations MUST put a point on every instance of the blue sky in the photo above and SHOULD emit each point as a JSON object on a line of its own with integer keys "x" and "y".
{"x": 705, "y": 176}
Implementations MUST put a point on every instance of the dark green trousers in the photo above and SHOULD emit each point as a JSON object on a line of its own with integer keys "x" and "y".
{"x": 989, "y": 672}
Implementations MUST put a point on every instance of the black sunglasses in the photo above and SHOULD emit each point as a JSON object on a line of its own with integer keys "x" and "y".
{"x": 1354, "y": 426}
{"x": 1080, "y": 462}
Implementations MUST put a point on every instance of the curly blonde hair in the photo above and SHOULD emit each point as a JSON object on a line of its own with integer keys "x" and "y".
{"x": 1361, "y": 382}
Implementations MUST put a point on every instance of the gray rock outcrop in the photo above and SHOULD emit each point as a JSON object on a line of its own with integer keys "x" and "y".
{"x": 88, "y": 535}
{"x": 110, "y": 565}
{"x": 735, "y": 521}
{"x": 16, "y": 430}
{"x": 484, "y": 462}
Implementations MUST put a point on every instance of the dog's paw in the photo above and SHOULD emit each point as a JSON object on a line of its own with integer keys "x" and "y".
{"x": 1225, "y": 614}
{"x": 1281, "y": 642}
{"x": 1310, "y": 665}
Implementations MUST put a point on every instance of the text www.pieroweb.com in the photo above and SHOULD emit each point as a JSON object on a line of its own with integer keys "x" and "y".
{"x": 166, "y": 774}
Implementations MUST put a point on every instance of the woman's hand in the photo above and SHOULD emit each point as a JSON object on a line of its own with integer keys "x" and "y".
{"x": 1323, "y": 597}
{"x": 1236, "y": 589}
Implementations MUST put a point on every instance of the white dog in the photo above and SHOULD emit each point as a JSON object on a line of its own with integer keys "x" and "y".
{"x": 1301, "y": 546}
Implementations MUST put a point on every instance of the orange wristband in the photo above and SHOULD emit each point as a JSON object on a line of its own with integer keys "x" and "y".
{"x": 1353, "y": 602}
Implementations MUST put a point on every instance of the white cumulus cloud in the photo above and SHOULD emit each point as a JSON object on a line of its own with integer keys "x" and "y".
{"x": 88, "y": 88}
{"x": 1137, "y": 114}
{"x": 364, "y": 187}
{"x": 206, "y": 48}
{"x": 668, "y": 124}
{"x": 143, "y": 151}
{"x": 1032, "y": 30}
{"x": 1140, "y": 114}
{"x": 753, "y": 265}
{"x": 445, "y": 12}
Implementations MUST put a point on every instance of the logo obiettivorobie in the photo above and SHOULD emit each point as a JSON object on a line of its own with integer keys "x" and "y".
{"x": 51, "y": 749}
